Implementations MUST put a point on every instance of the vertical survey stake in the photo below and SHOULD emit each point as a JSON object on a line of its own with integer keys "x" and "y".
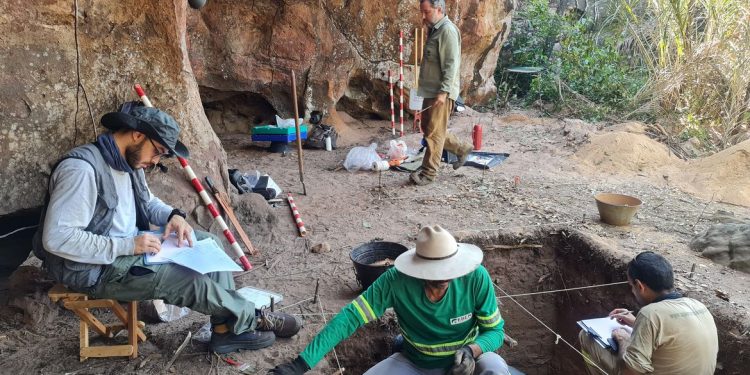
{"x": 296, "y": 215}
{"x": 401, "y": 79}
{"x": 393, "y": 113}
{"x": 299, "y": 138}
{"x": 416, "y": 57}
{"x": 204, "y": 196}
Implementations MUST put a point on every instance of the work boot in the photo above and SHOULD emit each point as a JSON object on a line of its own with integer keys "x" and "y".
{"x": 462, "y": 157}
{"x": 229, "y": 342}
{"x": 283, "y": 325}
{"x": 419, "y": 179}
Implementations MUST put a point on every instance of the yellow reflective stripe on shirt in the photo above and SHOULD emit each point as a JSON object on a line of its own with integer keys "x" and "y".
{"x": 364, "y": 309}
{"x": 490, "y": 321}
{"x": 444, "y": 349}
{"x": 369, "y": 308}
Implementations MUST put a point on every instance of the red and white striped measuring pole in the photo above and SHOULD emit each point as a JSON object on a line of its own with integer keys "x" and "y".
{"x": 401, "y": 77}
{"x": 393, "y": 114}
{"x": 204, "y": 196}
{"x": 297, "y": 217}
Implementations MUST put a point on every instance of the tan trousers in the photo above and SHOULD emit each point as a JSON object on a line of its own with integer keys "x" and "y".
{"x": 603, "y": 358}
{"x": 435, "y": 129}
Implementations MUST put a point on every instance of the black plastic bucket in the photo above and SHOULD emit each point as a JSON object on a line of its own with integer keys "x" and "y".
{"x": 366, "y": 254}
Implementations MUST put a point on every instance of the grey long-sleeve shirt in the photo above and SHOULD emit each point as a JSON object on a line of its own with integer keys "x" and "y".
{"x": 73, "y": 197}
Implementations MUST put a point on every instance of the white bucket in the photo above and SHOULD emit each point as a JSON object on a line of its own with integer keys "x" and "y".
{"x": 415, "y": 101}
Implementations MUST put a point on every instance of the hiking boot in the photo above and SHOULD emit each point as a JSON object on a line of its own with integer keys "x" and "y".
{"x": 419, "y": 179}
{"x": 462, "y": 158}
{"x": 283, "y": 325}
{"x": 222, "y": 343}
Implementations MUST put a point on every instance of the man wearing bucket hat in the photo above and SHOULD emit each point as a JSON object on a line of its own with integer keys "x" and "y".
{"x": 92, "y": 234}
{"x": 439, "y": 86}
{"x": 446, "y": 308}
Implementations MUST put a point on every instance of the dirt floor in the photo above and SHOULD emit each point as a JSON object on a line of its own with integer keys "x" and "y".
{"x": 542, "y": 193}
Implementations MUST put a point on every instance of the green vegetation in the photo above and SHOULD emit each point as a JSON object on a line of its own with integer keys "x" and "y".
{"x": 684, "y": 64}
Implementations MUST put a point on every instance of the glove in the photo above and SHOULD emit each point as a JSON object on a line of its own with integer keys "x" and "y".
{"x": 463, "y": 362}
{"x": 296, "y": 367}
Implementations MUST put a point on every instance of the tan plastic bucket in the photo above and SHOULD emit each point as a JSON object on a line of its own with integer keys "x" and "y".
{"x": 617, "y": 209}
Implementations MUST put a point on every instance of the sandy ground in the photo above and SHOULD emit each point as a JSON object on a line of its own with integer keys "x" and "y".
{"x": 558, "y": 170}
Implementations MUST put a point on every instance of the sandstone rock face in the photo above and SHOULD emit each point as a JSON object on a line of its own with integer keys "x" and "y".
{"x": 340, "y": 50}
{"x": 727, "y": 244}
{"x": 44, "y": 112}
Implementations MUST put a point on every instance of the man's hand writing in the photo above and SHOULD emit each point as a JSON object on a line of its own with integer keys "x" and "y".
{"x": 147, "y": 243}
{"x": 623, "y": 316}
{"x": 182, "y": 229}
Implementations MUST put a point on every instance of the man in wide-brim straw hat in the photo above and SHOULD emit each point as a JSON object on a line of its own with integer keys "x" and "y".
{"x": 446, "y": 308}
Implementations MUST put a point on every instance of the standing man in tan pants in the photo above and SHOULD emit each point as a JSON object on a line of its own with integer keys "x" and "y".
{"x": 439, "y": 85}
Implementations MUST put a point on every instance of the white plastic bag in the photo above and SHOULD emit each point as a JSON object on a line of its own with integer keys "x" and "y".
{"x": 286, "y": 123}
{"x": 397, "y": 150}
{"x": 361, "y": 158}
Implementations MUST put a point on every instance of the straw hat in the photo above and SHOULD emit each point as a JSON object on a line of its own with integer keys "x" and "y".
{"x": 438, "y": 256}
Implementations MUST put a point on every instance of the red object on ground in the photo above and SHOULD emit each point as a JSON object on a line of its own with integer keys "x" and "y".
{"x": 476, "y": 136}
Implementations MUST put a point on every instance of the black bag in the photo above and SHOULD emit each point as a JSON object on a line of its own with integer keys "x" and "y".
{"x": 316, "y": 138}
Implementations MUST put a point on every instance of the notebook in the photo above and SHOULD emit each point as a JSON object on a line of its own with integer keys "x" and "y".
{"x": 168, "y": 250}
{"x": 601, "y": 330}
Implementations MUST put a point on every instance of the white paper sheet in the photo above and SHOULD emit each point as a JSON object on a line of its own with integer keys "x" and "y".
{"x": 205, "y": 256}
{"x": 168, "y": 250}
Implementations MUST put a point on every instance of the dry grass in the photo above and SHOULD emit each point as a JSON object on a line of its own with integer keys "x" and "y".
{"x": 698, "y": 56}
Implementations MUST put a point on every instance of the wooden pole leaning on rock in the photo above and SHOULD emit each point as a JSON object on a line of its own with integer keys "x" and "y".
{"x": 299, "y": 137}
{"x": 203, "y": 194}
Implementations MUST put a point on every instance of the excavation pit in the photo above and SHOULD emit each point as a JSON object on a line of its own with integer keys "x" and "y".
{"x": 546, "y": 260}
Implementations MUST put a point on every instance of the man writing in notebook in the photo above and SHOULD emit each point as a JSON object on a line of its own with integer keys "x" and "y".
{"x": 91, "y": 236}
{"x": 671, "y": 335}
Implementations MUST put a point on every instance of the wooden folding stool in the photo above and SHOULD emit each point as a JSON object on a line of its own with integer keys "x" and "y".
{"x": 80, "y": 304}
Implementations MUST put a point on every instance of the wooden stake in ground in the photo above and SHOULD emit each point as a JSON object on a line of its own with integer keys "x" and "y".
{"x": 223, "y": 200}
{"x": 401, "y": 79}
{"x": 393, "y": 114}
{"x": 299, "y": 137}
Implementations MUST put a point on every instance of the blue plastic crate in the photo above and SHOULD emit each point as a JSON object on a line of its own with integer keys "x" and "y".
{"x": 278, "y": 137}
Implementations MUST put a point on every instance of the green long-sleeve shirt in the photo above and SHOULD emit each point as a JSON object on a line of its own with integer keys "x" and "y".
{"x": 433, "y": 331}
{"x": 442, "y": 61}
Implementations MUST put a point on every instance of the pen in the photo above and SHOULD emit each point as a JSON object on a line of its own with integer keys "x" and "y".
{"x": 623, "y": 313}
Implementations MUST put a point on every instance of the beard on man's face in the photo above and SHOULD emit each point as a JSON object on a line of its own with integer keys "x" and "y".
{"x": 133, "y": 155}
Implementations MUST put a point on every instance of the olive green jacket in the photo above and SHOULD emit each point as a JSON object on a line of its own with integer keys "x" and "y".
{"x": 442, "y": 61}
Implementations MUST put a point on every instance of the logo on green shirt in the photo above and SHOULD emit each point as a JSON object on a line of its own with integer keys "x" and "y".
{"x": 461, "y": 319}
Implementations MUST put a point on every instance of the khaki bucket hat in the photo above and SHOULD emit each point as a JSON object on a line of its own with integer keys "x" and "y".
{"x": 438, "y": 256}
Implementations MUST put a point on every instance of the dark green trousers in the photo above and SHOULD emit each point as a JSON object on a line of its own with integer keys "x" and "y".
{"x": 129, "y": 279}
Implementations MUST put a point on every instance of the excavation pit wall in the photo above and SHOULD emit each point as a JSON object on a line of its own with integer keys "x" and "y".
{"x": 566, "y": 259}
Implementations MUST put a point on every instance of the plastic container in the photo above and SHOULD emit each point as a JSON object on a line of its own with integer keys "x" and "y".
{"x": 415, "y": 101}
{"x": 476, "y": 137}
{"x": 363, "y": 257}
{"x": 275, "y": 130}
{"x": 382, "y": 165}
{"x": 617, "y": 209}
{"x": 278, "y": 137}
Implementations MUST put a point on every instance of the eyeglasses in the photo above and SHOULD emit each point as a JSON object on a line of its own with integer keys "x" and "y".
{"x": 159, "y": 154}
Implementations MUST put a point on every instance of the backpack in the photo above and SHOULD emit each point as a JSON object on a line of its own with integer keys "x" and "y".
{"x": 316, "y": 138}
